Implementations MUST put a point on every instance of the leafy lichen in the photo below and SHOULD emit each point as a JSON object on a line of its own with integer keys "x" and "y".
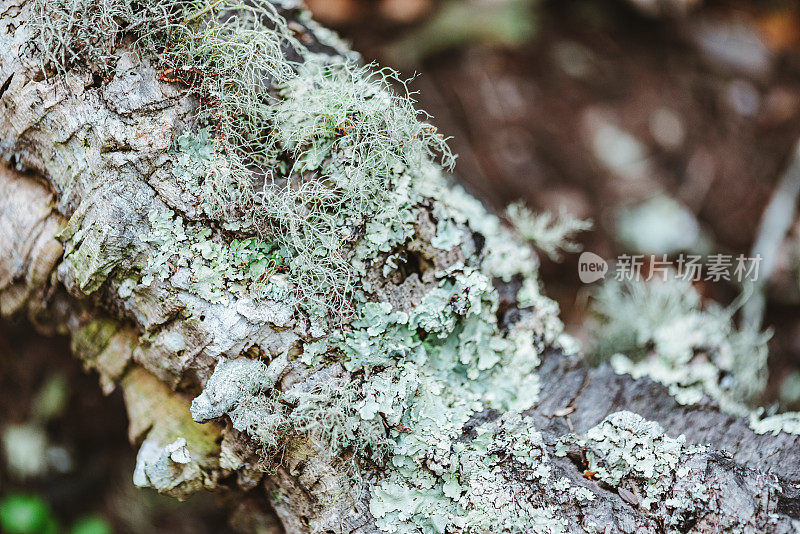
{"x": 406, "y": 381}
{"x": 317, "y": 189}
{"x": 551, "y": 235}
{"x": 217, "y": 268}
{"x": 774, "y": 424}
{"x": 428, "y": 369}
{"x": 660, "y": 329}
{"x": 626, "y": 451}
{"x": 333, "y": 165}
{"x": 460, "y": 486}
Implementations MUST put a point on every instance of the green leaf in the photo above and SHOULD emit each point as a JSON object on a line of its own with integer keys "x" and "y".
{"x": 26, "y": 514}
{"x": 94, "y": 524}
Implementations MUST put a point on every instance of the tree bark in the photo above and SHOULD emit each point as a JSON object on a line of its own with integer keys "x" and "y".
{"x": 81, "y": 160}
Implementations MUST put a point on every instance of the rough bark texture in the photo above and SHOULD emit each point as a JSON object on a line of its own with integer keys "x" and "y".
{"x": 79, "y": 177}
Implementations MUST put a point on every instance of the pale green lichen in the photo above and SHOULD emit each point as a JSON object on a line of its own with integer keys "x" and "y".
{"x": 788, "y": 422}
{"x": 427, "y": 369}
{"x": 217, "y": 268}
{"x": 345, "y": 194}
{"x": 86, "y": 32}
{"x": 629, "y": 452}
{"x": 462, "y": 484}
{"x": 333, "y": 162}
{"x": 661, "y": 329}
{"x": 333, "y": 410}
{"x": 304, "y": 153}
{"x": 552, "y": 235}
{"x": 361, "y": 141}
{"x": 309, "y": 177}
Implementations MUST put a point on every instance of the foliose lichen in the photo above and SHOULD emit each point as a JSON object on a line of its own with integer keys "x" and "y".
{"x": 316, "y": 187}
{"x": 409, "y": 378}
{"x": 788, "y": 422}
{"x": 662, "y": 330}
{"x": 218, "y": 268}
{"x": 633, "y": 454}
{"x": 461, "y": 484}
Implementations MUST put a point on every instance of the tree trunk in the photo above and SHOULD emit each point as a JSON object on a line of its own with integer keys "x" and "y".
{"x": 88, "y": 159}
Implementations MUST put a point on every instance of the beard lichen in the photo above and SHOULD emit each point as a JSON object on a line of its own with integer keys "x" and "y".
{"x": 299, "y": 152}
{"x": 310, "y": 176}
{"x": 319, "y": 159}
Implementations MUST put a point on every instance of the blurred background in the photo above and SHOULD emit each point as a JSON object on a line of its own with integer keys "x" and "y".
{"x": 672, "y": 124}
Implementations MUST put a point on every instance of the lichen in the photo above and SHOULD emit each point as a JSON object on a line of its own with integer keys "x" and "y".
{"x": 634, "y": 455}
{"x": 218, "y": 268}
{"x": 468, "y": 487}
{"x": 788, "y": 422}
{"x": 327, "y": 409}
{"x": 71, "y": 32}
{"x": 552, "y": 235}
{"x": 315, "y": 185}
{"x": 408, "y": 381}
{"x": 358, "y": 142}
{"x": 660, "y": 329}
